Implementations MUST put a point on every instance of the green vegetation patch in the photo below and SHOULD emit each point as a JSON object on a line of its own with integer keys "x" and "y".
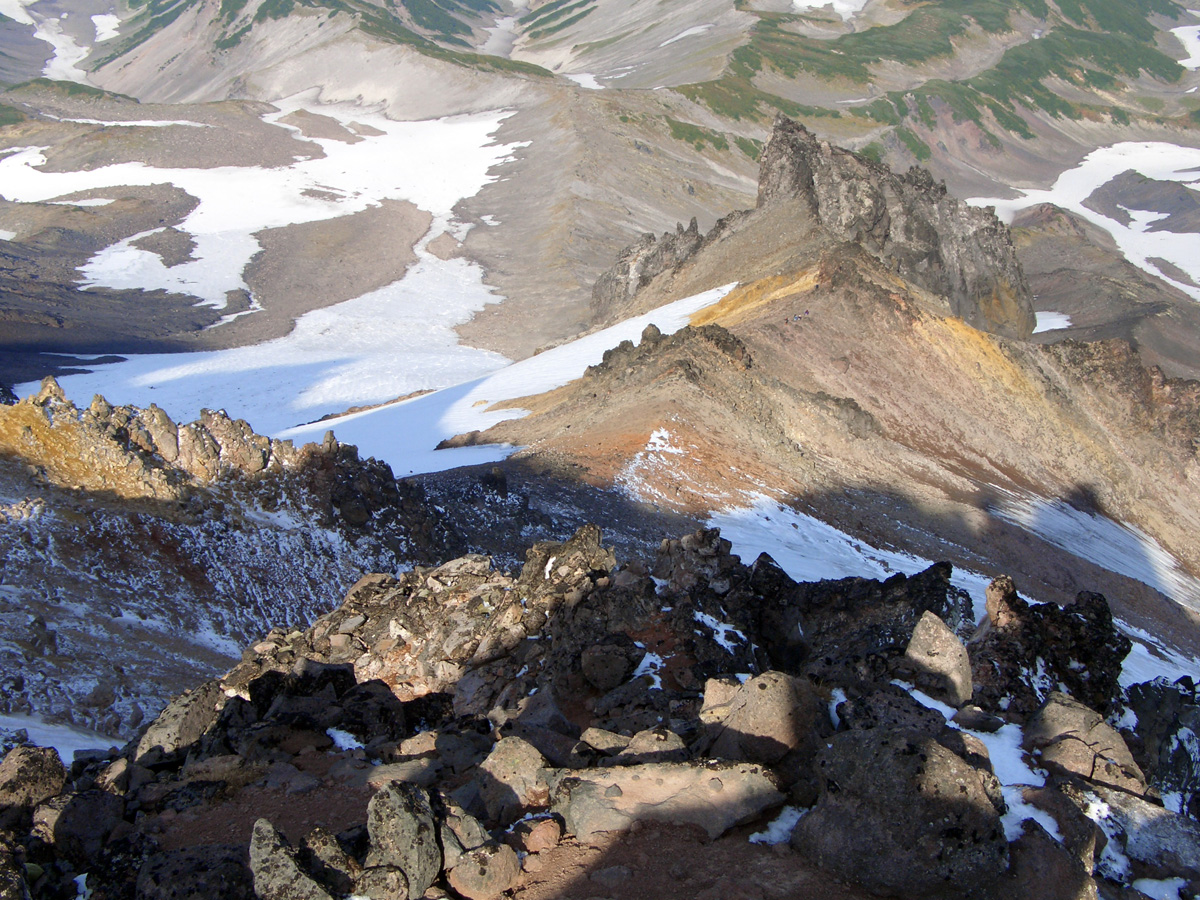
{"x": 565, "y": 23}
{"x": 10, "y": 116}
{"x": 915, "y": 145}
{"x": 749, "y": 146}
{"x": 695, "y": 135}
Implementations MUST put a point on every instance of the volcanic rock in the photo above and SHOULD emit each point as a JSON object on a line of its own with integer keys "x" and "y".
{"x": 714, "y": 795}
{"x": 28, "y": 776}
{"x": 1075, "y": 740}
{"x": 900, "y": 814}
{"x": 961, "y": 253}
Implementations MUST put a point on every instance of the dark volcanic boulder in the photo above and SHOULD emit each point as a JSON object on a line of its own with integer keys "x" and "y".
{"x": 28, "y": 776}
{"x": 1168, "y": 722}
{"x": 900, "y": 814}
{"x": 1027, "y": 647}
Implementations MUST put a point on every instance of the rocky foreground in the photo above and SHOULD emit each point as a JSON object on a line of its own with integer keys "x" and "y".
{"x": 463, "y": 731}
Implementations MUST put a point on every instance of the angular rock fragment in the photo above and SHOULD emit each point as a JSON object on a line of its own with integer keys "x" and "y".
{"x": 277, "y": 874}
{"x": 403, "y": 833}
{"x": 1075, "y": 740}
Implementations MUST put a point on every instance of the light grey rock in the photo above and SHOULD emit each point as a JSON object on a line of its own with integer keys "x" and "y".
{"x": 277, "y": 874}
{"x": 769, "y": 717}
{"x": 714, "y": 795}
{"x": 938, "y": 662}
{"x": 28, "y": 776}
{"x": 1071, "y": 738}
{"x": 403, "y": 833}
{"x": 511, "y": 780}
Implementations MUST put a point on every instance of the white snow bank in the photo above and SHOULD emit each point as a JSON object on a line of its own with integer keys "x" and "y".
{"x": 811, "y": 550}
{"x": 1112, "y": 545}
{"x": 66, "y": 739}
{"x": 405, "y": 434}
{"x": 1189, "y": 36}
{"x": 1158, "y": 160}
{"x": 1051, "y": 321}
{"x": 107, "y": 25}
{"x": 779, "y": 830}
{"x": 585, "y": 80}
{"x": 847, "y": 9}
{"x": 15, "y": 10}
{"x": 388, "y": 343}
{"x": 433, "y": 164}
{"x": 64, "y": 64}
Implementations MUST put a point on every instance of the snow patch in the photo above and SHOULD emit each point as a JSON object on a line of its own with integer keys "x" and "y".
{"x": 405, "y": 434}
{"x": 343, "y": 740}
{"x": 1051, "y": 321}
{"x": 811, "y": 550}
{"x": 780, "y": 828}
{"x": 1189, "y": 36}
{"x": 847, "y": 9}
{"x": 7, "y": 235}
{"x": 584, "y": 80}
{"x": 1112, "y": 545}
{"x": 1160, "y": 888}
{"x": 64, "y": 64}
{"x": 1154, "y": 159}
{"x": 698, "y": 29}
{"x": 108, "y": 27}
{"x": 650, "y": 666}
{"x": 66, "y": 739}
{"x": 723, "y": 633}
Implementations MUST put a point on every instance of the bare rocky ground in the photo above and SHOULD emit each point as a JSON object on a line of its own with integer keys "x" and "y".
{"x": 464, "y": 731}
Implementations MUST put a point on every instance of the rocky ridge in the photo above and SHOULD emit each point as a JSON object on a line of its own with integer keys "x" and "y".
{"x": 962, "y": 255}
{"x": 463, "y": 731}
{"x": 201, "y": 532}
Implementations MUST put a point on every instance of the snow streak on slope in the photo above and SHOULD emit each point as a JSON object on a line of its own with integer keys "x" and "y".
{"x": 66, "y": 739}
{"x": 811, "y": 550}
{"x": 388, "y": 343}
{"x": 1189, "y": 36}
{"x": 405, "y": 434}
{"x": 1161, "y": 161}
{"x": 1112, "y": 545}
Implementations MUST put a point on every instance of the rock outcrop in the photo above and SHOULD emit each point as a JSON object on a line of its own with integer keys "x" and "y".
{"x": 441, "y": 723}
{"x": 961, "y": 257}
{"x": 962, "y": 254}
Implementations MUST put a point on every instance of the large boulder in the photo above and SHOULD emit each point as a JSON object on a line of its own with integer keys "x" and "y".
{"x": 713, "y": 795}
{"x": 77, "y": 825}
{"x": 1168, "y": 723}
{"x": 937, "y": 661}
{"x": 403, "y": 832}
{"x": 277, "y": 873}
{"x": 28, "y": 776}
{"x": 511, "y": 779}
{"x": 181, "y": 724}
{"x": 900, "y": 814}
{"x": 1042, "y": 868}
{"x": 1074, "y": 740}
{"x": 769, "y": 716}
{"x": 210, "y": 872}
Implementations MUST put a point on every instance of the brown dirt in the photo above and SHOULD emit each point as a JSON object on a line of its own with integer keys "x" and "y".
{"x": 668, "y": 862}
{"x": 333, "y": 805}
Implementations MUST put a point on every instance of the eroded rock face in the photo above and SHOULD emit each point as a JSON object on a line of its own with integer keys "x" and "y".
{"x": 960, "y": 253}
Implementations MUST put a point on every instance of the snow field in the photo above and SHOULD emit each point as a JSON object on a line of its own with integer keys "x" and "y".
{"x": 405, "y": 434}
{"x": 387, "y": 343}
{"x": 1051, "y": 321}
{"x": 1154, "y": 159}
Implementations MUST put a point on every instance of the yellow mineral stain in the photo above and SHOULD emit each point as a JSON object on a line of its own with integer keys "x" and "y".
{"x": 745, "y": 300}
